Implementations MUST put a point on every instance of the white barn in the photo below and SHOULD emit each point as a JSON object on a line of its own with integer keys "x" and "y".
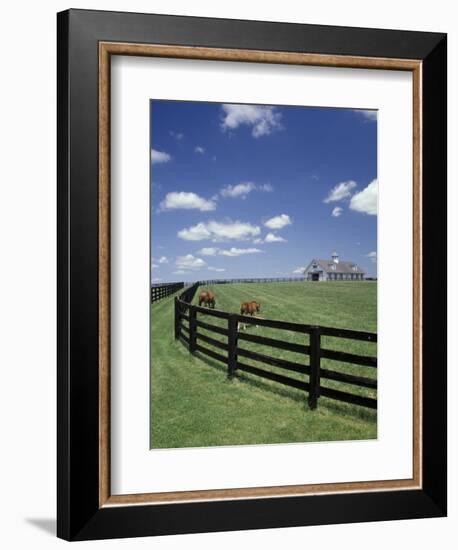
{"x": 333, "y": 270}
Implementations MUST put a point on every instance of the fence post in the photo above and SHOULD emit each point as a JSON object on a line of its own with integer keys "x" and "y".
{"x": 177, "y": 319}
{"x": 232, "y": 346}
{"x": 192, "y": 329}
{"x": 315, "y": 360}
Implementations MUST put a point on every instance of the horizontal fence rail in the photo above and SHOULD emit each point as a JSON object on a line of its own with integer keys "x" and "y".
{"x": 191, "y": 319}
{"x": 162, "y": 291}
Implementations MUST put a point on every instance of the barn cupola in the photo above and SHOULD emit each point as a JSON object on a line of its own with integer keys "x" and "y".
{"x": 335, "y": 257}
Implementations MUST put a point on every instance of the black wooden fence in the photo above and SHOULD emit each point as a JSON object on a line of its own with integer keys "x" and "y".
{"x": 194, "y": 339}
{"x": 161, "y": 291}
{"x": 210, "y": 282}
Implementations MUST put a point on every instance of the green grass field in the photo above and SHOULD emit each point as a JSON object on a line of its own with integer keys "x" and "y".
{"x": 194, "y": 405}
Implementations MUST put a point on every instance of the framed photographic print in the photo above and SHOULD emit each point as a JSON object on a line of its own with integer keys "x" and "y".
{"x": 251, "y": 290}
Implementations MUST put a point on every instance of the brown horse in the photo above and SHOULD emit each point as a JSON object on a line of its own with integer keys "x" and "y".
{"x": 207, "y": 298}
{"x": 250, "y": 308}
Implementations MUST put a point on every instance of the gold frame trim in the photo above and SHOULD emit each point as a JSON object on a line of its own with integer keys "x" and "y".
{"x": 106, "y": 50}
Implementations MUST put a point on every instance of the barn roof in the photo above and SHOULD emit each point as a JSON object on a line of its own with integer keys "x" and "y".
{"x": 341, "y": 267}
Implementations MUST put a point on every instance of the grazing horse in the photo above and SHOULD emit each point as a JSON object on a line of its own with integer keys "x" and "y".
{"x": 207, "y": 298}
{"x": 250, "y": 308}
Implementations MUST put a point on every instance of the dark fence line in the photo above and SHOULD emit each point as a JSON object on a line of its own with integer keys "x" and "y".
{"x": 188, "y": 294}
{"x": 211, "y": 282}
{"x": 159, "y": 291}
{"x": 255, "y": 280}
{"x": 162, "y": 291}
{"x": 230, "y": 352}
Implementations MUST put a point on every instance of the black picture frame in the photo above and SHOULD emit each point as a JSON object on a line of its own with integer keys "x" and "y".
{"x": 79, "y": 515}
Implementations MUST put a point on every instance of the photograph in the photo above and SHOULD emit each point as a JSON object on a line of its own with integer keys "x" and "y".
{"x": 251, "y": 320}
{"x": 263, "y": 240}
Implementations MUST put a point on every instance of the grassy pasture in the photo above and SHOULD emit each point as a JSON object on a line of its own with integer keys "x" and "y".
{"x": 193, "y": 403}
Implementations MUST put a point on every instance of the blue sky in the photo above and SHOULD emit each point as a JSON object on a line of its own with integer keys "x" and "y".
{"x": 259, "y": 191}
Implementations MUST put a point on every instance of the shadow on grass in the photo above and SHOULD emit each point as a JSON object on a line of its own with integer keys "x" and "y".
{"x": 210, "y": 362}
{"x": 351, "y": 411}
{"x": 255, "y": 382}
{"x": 367, "y": 415}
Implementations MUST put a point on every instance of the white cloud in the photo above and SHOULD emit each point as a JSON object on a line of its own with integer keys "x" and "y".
{"x": 336, "y": 212}
{"x": 366, "y": 200}
{"x": 242, "y": 189}
{"x": 162, "y": 260}
{"x": 239, "y": 190}
{"x": 158, "y": 157}
{"x": 266, "y": 187}
{"x": 219, "y": 231}
{"x": 186, "y": 201}
{"x": 208, "y": 251}
{"x": 272, "y": 238}
{"x": 300, "y": 269}
{"x": 197, "y": 232}
{"x": 177, "y": 135}
{"x": 189, "y": 262}
{"x": 263, "y": 119}
{"x": 277, "y": 222}
{"x": 369, "y": 115}
{"x": 239, "y": 251}
{"x": 341, "y": 191}
{"x": 156, "y": 280}
{"x": 372, "y": 256}
{"x": 213, "y": 251}
{"x": 257, "y": 241}
{"x": 218, "y": 269}
{"x": 199, "y": 149}
{"x": 180, "y": 272}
